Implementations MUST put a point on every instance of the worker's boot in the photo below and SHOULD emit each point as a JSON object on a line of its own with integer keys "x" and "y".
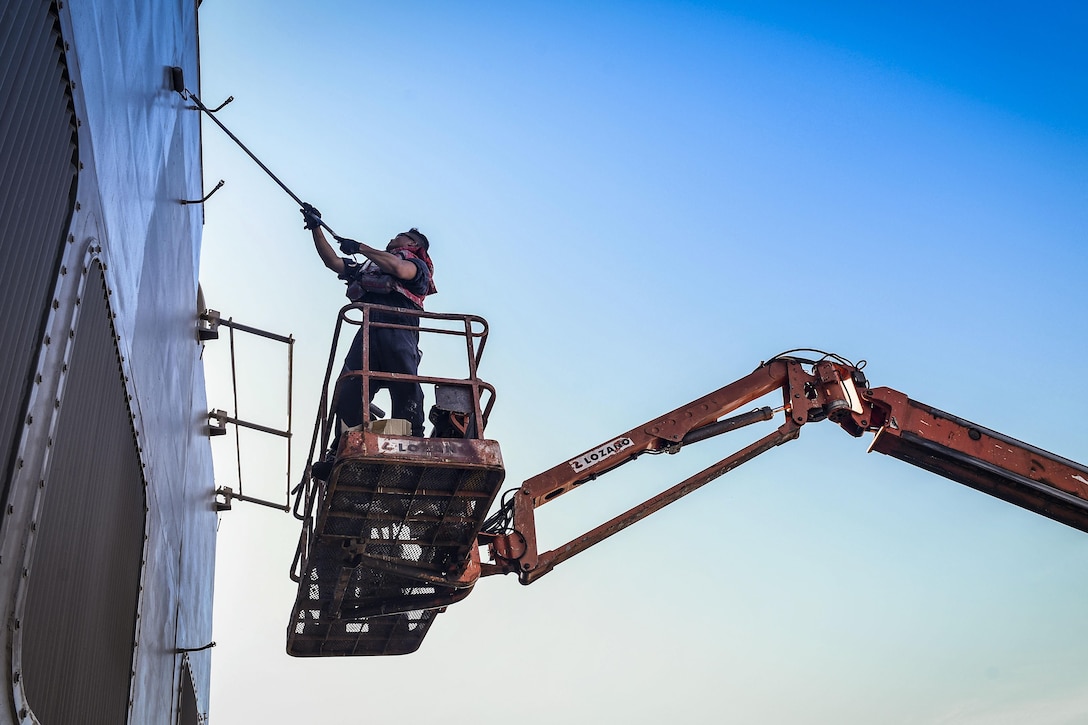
{"x": 320, "y": 470}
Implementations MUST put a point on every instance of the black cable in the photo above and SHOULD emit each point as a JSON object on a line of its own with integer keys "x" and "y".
{"x": 499, "y": 522}
{"x": 787, "y": 355}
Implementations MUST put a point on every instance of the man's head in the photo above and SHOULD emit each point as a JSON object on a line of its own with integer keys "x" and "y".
{"x": 411, "y": 238}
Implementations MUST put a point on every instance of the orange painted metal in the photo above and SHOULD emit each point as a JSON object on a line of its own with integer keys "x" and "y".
{"x": 918, "y": 434}
{"x": 975, "y": 456}
{"x": 516, "y": 550}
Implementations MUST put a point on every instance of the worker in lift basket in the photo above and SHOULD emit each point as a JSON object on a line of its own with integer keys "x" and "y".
{"x": 401, "y": 275}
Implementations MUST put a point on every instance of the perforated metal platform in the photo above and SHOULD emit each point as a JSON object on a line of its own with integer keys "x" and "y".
{"x": 338, "y": 611}
{"x": 413, "y": 503}
{"x": 393, "y": 542}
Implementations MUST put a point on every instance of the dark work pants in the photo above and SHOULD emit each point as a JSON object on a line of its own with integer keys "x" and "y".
{"x": 391, "y": 351}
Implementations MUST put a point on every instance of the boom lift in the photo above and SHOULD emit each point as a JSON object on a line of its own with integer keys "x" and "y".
{"x": 356, "y": 597}
{"x": 389, "y": 538}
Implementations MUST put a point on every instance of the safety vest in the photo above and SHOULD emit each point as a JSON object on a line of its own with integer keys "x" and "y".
{"x": 371, "y": 278}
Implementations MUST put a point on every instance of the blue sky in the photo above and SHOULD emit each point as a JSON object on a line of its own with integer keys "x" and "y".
{"x": 645, "y": 200}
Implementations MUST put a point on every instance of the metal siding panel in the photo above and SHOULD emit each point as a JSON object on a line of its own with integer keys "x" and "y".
{"x": 37, "y": 154}
{"x": 145, "y": 155}
{"x": 83, "y": 585}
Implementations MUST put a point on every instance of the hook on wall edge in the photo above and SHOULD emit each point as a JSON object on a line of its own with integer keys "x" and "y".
{"x": 206, "y": 196}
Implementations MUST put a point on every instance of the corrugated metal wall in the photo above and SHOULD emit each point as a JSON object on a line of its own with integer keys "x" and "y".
{"x": 79, "y": 626}
{"x": 188, "y": 709}
{"x": 37, "y": 183}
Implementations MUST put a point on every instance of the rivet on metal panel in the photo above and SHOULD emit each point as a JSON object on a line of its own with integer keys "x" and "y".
{"x": 64, "y": 269}
{"x": 17, "y": 676}
{"x": 26, "y": 572}
{"x": 71, "y": 333}
{"x": 19, "y": 463}
{"x": 56, "y": 402}
{"x": 29, "y": 419}
{"x": 48, "y": 339}
{"x": 78, "y": 206}
{"x": 33, "y": 526}
{"x": 56, "y": 304}
{"x": 11, "y": 509}
{"x": 71, "y": 240}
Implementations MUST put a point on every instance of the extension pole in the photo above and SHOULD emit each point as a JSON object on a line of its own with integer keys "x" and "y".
{"x": 179, "y": 86}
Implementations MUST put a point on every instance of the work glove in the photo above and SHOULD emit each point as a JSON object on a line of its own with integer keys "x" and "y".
{"x": 349, "y": 246}
{"x": 311, "y": 216}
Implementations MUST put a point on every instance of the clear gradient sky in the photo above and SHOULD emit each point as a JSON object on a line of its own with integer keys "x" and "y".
{"x": 646, "y": 200}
